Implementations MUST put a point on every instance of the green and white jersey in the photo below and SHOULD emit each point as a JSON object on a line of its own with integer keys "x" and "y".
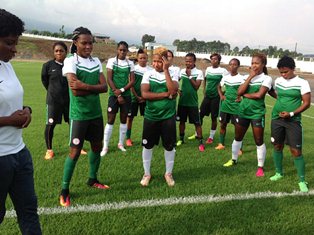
{"x": 158, "y": 110}
{"x": 231, "y": 84}
{"x": 121, "y": 70}
{"x": 87, "y": 70}
{"x": 255, "y": 108}
{"x": 289, "y": 95}
{"x": 189, "y": 95}
{"x": 212, "y": 77}
{"x": 139, "y": 72}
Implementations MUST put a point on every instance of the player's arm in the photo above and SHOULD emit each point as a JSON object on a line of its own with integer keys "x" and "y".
{"x": 195, "y": 83}
{"x": 44, "y": 76}
{"x": 148, "y": 95}
{"x": 257, "y": 95}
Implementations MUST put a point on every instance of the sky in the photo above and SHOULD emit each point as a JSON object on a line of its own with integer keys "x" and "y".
{"x": 287, "y": 24}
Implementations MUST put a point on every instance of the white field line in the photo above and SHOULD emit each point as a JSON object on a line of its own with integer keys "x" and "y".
{"x": 92, "y": 208}
{"x": 303, "y": 115}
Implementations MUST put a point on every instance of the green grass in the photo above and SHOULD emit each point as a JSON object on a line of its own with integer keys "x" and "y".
{"x": 196, "y": 174}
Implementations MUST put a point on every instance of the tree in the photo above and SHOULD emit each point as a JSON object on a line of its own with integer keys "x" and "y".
{"x": 62, "y": 32}
{"x": 176, "y": 42}
{"x": 147, "y": 38}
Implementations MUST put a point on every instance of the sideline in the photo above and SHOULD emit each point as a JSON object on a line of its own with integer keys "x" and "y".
{"x": 92, "y": 208}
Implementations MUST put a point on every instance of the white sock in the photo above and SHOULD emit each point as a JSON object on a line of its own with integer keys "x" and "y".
{"x": 169, "y": 158}
{"x": 147, "y": 155}
{"x": 236, "y": 146}
{"x": 212, "y": 133}
{"x": 107, "y": 135}
{"x": 261, "y": 155}
{"x": 122, "y": 133}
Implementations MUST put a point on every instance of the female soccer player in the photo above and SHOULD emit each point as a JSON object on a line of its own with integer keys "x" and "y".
{"x": 191, "y": 79}
{"x": 86, "y": 80}
{"x": 138, "y": 103}
{"x": 16, "y": 166}
{"x": 120, "y": 75}
{"x": 252, "y": 111}
{"x": 293, "y": 98}
{"x": 57, "y": 99}
{"x": 159, "y": 88}
{"x": 230, "y": 102}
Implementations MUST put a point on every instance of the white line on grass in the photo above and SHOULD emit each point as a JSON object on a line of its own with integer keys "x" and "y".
{"x": 162, "y": 202}
{"x": 303, "y": 115}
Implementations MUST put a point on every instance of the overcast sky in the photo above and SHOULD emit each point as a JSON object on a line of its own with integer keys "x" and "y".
{"x": 256, "y": 23}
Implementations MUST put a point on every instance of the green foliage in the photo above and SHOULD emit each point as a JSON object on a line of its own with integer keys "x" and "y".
{"x": 147, "y": 38}
{"x": 196, "y": 174}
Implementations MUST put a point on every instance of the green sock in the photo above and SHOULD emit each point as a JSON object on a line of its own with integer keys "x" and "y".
{"x": 222, "y": 139}
{"x": 278, "y": 156}
{"x": 94, "y": 162}
{"x": 68, "y": 169}
{"x": 128, "y": 133}
{"x": 300, "y": 165}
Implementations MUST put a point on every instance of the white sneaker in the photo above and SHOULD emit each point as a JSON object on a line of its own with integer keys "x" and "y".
{"x": 121, "y": 147}
{"x": 169, "y": 179}
{"x": 103, "y": 152}
{"x": 145, "y": 180}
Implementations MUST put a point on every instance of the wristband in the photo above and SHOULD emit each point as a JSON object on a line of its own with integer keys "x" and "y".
{"x": 122, "y": 89}
{"x": 190, "y": 77}
{"x": 291, "y": 114}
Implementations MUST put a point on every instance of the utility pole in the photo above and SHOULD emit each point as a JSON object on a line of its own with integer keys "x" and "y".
{"x": 295, "y": 49}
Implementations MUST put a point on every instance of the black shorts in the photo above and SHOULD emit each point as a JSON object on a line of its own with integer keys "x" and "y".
{"x": 227, "y": 117}
{"x": 192, "y": 112}
{"x": 54, "y": 114}
{"x": 153, "y": 130}
{"x": 91, "y": 130}
{"x": 135, "y": 106}
{"x": 210, "y": 106}
{"x": 114, "y": 106}
{"x": 287, "y": 131}
{"x": 245, "y": 122}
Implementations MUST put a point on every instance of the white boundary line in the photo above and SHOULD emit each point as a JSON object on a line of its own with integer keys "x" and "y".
{"x": 92, "y": 208}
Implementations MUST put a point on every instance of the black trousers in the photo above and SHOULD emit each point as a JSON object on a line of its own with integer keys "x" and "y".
{"x": 17, "y": 180}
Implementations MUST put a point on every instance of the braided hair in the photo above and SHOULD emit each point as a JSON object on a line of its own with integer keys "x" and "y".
{"x": 10, "y": 25}
{"x": 76, "y": 33}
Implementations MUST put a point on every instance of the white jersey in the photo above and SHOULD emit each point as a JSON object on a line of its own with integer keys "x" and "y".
{"x": 11, "y": 100}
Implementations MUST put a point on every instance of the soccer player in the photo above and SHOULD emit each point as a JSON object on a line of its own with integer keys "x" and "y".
{"x": 252, "y": 110}
{"x": 230, "y": 102}
{"x": 120, "y": 75}
{"x": 210, "y": 103}
{"x": 86, "y": 80}
{"x": 293, "y": 98}
{"x": 138, "y": 103}
{"x": 159, "y": 89}
{"x": 57, "y": 99}
{"x": 16, "y": 166}
{"x": 191, "y": 79}
{"x": 173, "y": 69}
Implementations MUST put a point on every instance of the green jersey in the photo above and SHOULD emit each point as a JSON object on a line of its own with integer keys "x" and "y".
{"x": 231, "y": 84}
{"x": 212, "y": 77}
{"x": 158, "y": 110}
{"x": 121, "y": 70}
{"x": 255, "y": 108}
{"x": 138, "y": 72}
{"x": 189, "y": 95}
{"x": 289, "y": 95}
{"x": 87, "y": 70}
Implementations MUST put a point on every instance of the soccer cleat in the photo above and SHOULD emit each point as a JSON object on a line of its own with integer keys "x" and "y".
{"x": 240, "y": 152}
{"x": 49, "y": 154}
{"x": 209, "y": 141}
{"x": 65, "y": 198}
{"x": 83, "y": 152}
{"x": 230, "y": 163}
{"x": 303, "y": 187}
{"x": 103, "y": 152}
{"x": 201, "y": 147}
{"x": 220, "y": 147}
{"x": 260, "y": 172}
{"x": 192, "y": 137}
{"x": 145, "y": 180}
{"x": 129, "y": 142}
{"x": 276, "y": 177}
{"x": 121, "y": 147}
{"x": 96, "y": 184}
{"x": 169, "y": 179}
{"x": 180, "y": 142}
